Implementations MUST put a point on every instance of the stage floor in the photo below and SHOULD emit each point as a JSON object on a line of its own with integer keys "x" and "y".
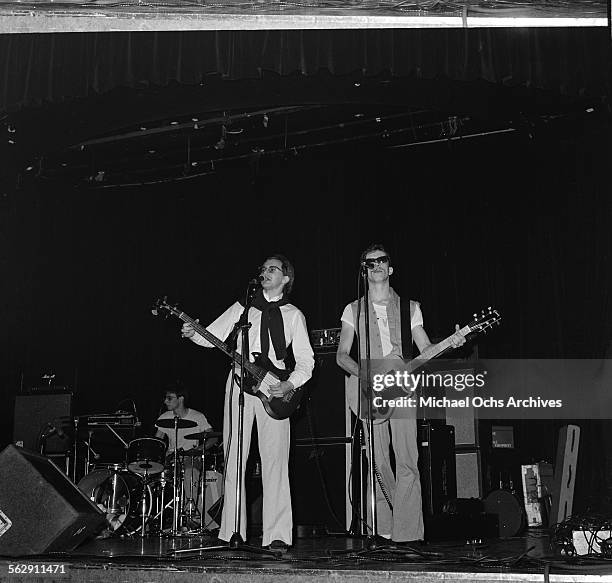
{"x": 33, "y": 16}
{"x": 337, "y": 558}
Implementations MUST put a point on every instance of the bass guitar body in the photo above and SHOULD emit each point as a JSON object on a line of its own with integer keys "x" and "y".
{"x": 277, "y": 407}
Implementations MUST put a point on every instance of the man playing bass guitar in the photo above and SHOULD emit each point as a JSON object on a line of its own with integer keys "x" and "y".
{"x": 275, "y": 324}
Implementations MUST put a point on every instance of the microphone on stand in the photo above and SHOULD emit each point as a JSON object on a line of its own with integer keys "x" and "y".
{"x": 137, "y": 422}
{"x": 96, "y": 455}
{"x": 256, "y": 280}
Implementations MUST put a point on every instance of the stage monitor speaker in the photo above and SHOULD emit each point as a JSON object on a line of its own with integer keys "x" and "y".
{"x": 436, "y": 465}
{"x": 41, "y": 510}
{"x": 319, "y": 486}
{"x": 33, "y": 411}
{"x": 469, "y": 473}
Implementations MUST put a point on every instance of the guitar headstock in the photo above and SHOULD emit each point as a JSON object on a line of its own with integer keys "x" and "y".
{"x": 483, "y": 321}
{"x": 162, "y": 307}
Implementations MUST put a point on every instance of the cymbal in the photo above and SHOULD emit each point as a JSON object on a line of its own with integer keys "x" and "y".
{"x": 204, "y": 435}
{"x": 169, "y": 423}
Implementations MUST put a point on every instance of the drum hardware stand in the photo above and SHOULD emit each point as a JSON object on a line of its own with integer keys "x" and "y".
{"x": 236, "y": 542}
{"x": 160, "y": 510}
{"x": 202, "y": 488}
{"x": 143, "y": 506}
{"x": 75, "y": 450}
{"x": 125, "y": 443}
{"x": 89, "y": 450}
{"x": 113, "y": 507}
{"x": 176, "y": 506}
{"x": 190, "y": 508}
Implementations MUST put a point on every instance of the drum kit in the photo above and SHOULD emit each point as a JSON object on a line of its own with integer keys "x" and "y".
{"x": 159, "y": 493}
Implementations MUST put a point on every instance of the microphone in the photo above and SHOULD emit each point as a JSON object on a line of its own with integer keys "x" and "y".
{"x": 256, "y": 280}
{"x": 137, "y": 422}
{"x": 95, "y": 454}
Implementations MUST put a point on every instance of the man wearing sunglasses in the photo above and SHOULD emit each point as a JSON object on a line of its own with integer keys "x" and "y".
{"x": 275, "y": 324}
{"x": 394, "y": 325}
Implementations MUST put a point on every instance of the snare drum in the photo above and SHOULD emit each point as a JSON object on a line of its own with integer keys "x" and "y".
{"x": 146, "y": 455}
{"x": 119, "y": 494}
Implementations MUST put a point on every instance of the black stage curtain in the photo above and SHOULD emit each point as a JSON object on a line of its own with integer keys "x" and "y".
{"x": 52, "y": 67}
{"x": 518, "y": 222}
{"x": 521, "y": 224}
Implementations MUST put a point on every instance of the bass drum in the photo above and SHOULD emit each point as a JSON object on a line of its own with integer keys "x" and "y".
{"x": 119, "y": 494}
{"x": 509, "y": 511}
{"x": 213, "y": 499}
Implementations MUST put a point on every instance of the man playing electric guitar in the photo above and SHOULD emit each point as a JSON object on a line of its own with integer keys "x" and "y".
{"x": 388, "y": 321}
{"x": 275, "y": 324}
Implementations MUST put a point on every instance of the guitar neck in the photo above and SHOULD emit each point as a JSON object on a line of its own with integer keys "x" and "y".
{"x": 222, "y": 346}
{"x": 433, "y": 351}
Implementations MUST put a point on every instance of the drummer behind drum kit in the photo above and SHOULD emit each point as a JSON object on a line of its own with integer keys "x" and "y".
{"x": 142, "y": 495}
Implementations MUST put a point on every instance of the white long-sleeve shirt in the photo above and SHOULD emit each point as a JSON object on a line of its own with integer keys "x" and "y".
{"x": 296, "y": 334}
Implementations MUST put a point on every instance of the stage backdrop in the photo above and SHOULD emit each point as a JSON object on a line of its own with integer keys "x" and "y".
{"x": 53, "y": 67}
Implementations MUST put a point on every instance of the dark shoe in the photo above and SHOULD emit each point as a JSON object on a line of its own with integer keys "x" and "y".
{"x": 279, "y": 545}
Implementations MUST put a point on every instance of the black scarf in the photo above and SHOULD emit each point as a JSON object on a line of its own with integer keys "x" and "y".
{"x": 271, "y": 324}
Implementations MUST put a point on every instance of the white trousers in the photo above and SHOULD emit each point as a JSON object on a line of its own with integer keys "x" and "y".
{"x": 405, "y": 523}
{"x": 273, "y": 437}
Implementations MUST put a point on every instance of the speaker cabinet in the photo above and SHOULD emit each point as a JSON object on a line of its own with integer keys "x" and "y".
{"x": 323, "y": 411}
{"x": 105, "y": 443}
{"x": 33, "y": 411}
{"x": 321, "y": 431}
{"x": 469, "y": 473}
{"x": 436, "y": 465}
{"x": 41, "y": 510}
{"x": 319, "y": 487}
{"x": 463, "y": 419}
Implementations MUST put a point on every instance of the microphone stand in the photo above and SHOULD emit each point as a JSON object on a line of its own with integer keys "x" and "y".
{"x": 372, "y": 542}
{"x": 236, "y": 542}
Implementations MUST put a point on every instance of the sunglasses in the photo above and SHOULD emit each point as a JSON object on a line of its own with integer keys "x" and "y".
{"x": 374, "y": 261}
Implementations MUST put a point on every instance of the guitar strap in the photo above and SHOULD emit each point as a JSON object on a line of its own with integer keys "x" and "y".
{"x": 406, "y": 319}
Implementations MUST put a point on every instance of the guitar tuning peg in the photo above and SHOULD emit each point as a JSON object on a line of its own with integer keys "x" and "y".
{"x": 475, "y": 315}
